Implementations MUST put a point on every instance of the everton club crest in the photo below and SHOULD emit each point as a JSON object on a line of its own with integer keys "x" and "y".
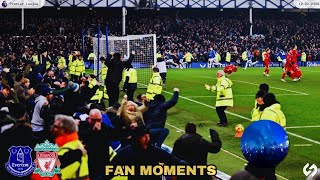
{"x": 47, "y": 162}
{"x": 20, "y": 162}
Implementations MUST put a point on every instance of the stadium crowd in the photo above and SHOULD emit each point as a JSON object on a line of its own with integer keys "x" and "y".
{"x": 177, "y": 32}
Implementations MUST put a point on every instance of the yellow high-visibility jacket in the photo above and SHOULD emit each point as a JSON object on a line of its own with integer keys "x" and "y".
{"x": 275, "y": 114}
{"x": 35, "y": 59}
{"x": 62, "y": 62}
{"x": 72, "y": 67}
{"x": 224, "y": 92}
{"x": 244, "y": 56}
{"x": 218, "y": 57}
{"x": 228, "y": 57}
{"x": 100, "y": 94}
{"x": 103, "y": 72}
{"x": 132, "y": 73}
{"x": 303, "y": 57}
{"x": 48, "y": 64}
{"x": 70, "y": 57}
{"x": 76, "y": 169}
{"x": 188, "y": 57}
{"x": 92, "y": 57}
{"x": 79, "y": 67}
{"x": 155, "y": 86}
{"x": 255, "y": 113}
{"x": 92, "y": 83}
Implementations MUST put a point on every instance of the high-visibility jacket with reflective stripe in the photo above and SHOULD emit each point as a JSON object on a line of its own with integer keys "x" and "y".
{"x": 132, "y": 73}
{"x": 228, "y": 57}
{"x": 62, "y": 62}
{"x": 155, "y": 86}
{"x": 92, "y": 57}
{"x": 100, "y": 94}
{"x": 224, "y": 92}
{"x": 80, "y": 68}
{"x": 72, "y": 66}
{"x": 92, "y": 83}
{"x": 78, "y": 169}
{"x": 48, "y": 64}
{"x": 35, "y": 59}
{"x": 70, "y": 57}
{"x": 103, "y": 72}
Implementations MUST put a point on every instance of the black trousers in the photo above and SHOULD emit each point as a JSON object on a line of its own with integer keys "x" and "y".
{"x": 130, "y": 91}
{"x": 188, "y": 64}
{"x": 164, "y": 77}
{"x": 222, "y": 115}
{"x": 113, "y": 92}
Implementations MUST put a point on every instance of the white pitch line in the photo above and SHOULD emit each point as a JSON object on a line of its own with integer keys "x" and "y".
{"x": 245, "y": 82}
{"x": 311, "y": 71}
{"x": 240, "y": 116}
{"x": 298, "y": 127}
{"x": 246, "y": 95}
{"x": 302, "y": 145}
{"x": 226, "y": 151}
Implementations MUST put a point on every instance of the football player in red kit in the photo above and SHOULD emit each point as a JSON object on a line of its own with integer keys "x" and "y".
{"x": 267, "y": 61}
{"x": 287, "y": 67}
{"x": 295, "y": 73}
{"x": 295, "y": 54}
{"x": 230, "y": 68}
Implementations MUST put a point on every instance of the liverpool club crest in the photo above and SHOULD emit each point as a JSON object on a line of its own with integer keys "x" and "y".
{"x": 20, "y": 162}
{"x": 47, "y": 162}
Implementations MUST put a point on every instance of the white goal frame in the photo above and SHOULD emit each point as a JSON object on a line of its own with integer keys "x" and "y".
{"x": 144, "y": 46}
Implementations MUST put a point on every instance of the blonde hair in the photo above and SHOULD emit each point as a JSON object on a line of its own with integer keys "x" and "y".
{"x": 133, "y": 103}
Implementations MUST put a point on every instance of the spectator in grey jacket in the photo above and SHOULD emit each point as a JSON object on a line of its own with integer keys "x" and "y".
{"x": 38, "y": 122}
{"x": 156, "y": 115}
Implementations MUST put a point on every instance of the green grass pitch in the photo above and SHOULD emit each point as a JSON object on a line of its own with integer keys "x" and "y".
{"x": 299, "y": 101}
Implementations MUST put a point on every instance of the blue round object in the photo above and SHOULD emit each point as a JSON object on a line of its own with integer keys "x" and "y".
{"x": 264, "y": 144}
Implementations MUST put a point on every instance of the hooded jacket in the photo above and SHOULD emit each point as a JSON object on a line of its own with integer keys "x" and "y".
{"x": 37, "y": 122}
{"x": 275, "y": 114}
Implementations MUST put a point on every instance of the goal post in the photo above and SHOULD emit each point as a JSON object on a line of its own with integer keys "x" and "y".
{"x": 143, "y": 45}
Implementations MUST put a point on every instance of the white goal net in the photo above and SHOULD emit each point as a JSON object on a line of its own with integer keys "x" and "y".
{"x": 143, "y": 45}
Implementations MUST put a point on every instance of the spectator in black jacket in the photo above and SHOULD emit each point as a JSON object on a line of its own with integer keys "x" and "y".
{"x": 115, "y": 66}
{"x": 20, "y": 134}
{"x": 97, "y": 145}
{"x": 141, "y": 152}
{"x": 156, "y": 115}
{"x": 194, "y": 149}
